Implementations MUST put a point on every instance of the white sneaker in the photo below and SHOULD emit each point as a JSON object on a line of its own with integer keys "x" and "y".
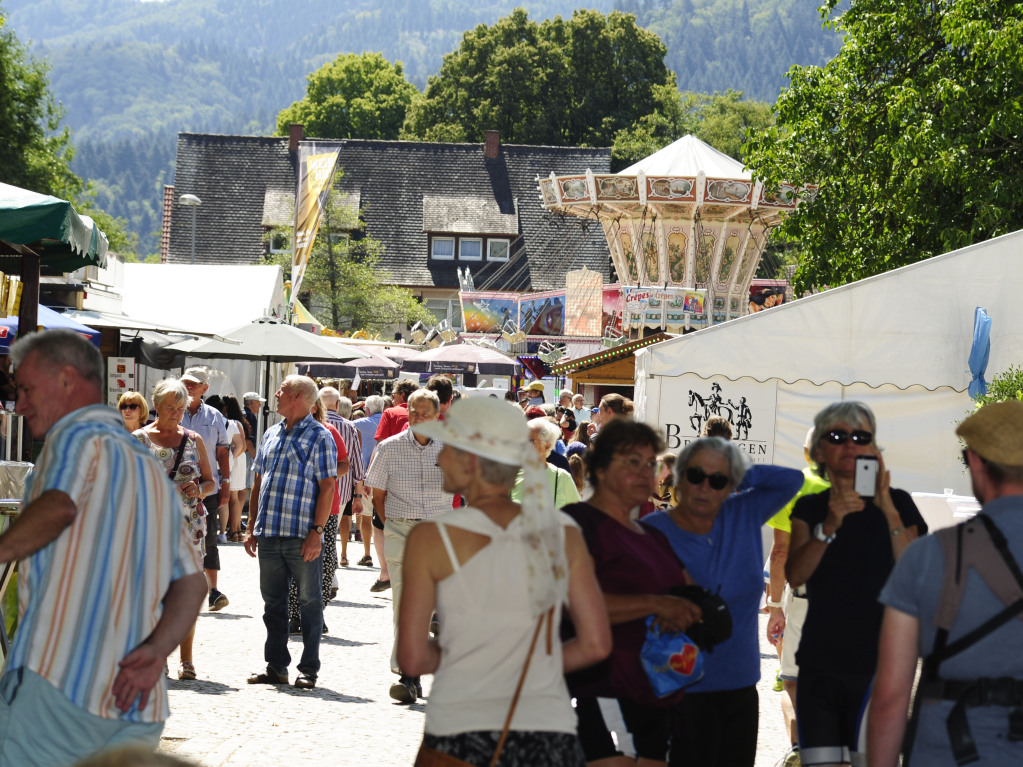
{"x": 222, "y": 538}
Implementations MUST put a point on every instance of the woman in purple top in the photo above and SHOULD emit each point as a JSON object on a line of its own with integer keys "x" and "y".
{"x": 635, "y": 568}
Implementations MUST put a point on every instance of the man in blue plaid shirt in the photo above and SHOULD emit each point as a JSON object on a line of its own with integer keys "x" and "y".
{"x": 292, "y": 491}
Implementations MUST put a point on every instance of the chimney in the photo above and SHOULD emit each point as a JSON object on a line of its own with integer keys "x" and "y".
{"x": 493, "y": 144}
{"x": 296, "y": 133}
{"x": 165, "y": 228}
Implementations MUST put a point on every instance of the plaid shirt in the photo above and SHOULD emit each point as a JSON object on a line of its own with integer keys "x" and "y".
{"x": 409, "y": 473}
{"x": 290, "y": 465}
{"x": 357, "y": 470}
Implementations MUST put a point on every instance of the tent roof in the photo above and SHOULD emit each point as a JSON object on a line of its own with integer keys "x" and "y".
{"x": 911, "y": 326}
{"x": 216, "y": 298}
{"x": 64, "y": 239}
{"x": 687, "y": 157}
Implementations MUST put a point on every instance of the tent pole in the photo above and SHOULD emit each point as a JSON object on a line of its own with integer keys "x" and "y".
{"x": 266, "y": 392}
{"x": 28, "y": 314}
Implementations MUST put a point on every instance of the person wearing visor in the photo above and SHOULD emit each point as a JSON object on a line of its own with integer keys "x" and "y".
{"x": 844, "y": 545}
{"x": 497, "y": 573}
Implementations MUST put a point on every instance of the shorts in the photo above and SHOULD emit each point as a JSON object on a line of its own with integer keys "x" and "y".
{"x": 795, "y": 616}
{"x": 830, "y": 711}
{"x": 618, "y": 726}
{"x": 522, "y": 748}
{"x": 347, "y": 510}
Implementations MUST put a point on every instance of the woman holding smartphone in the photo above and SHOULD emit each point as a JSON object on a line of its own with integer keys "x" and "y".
{"x": 843, "y": 547}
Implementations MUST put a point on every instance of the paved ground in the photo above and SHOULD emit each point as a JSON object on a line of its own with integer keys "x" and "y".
{"x": 349, "y": 718}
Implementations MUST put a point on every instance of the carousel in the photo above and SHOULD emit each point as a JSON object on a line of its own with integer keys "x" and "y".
{"x": 686, "y": 228}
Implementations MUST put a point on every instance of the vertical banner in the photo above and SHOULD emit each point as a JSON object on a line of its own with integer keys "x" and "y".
{"x": 315, "y": 173}
{"x": 120, "y": 378}
{"x": 583, "y": 301}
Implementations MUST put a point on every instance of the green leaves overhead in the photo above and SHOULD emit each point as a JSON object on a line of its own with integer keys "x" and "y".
{"x": 913, "y": 133}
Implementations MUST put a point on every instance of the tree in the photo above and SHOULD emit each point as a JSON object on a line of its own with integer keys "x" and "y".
{"x": 557, "y": 82}
{"x": 913, "y": 133}
{"x": 354, "y": 96}
{"x": 343, "y": 284}
{"x": 34, "y": 152}
{"x": 720, "y": 119}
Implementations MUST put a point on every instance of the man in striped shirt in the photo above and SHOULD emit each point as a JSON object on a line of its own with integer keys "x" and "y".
{"x": 292, "y": 492}
{"x": 110, "y": 582}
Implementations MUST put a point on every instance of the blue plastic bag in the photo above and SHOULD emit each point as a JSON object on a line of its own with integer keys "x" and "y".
{"x": 671, "y": 660}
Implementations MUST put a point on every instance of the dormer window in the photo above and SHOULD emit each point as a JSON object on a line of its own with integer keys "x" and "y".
{"x": 442, "y": 248}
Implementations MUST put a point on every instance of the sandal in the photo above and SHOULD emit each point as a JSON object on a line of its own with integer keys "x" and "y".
{"x": 344, "y": 561}
{"x": 237, "y": 536}
{"x": 187, "y": 670}
{"x": 366, "y": 561}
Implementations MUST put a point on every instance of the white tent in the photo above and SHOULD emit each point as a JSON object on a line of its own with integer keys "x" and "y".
{"x": 899, "y": 342}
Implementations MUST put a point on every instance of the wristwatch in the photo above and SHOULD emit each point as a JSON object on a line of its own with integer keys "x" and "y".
{"x": 316, "y": 529}
{"x": 818, "y": 533}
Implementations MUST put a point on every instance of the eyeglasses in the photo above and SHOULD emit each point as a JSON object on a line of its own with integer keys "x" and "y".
{"x": 638, "y": 466}
{"x": 841, "y": 436}
{"x": 695, "y": 476}
{"x": 129, "y": 406}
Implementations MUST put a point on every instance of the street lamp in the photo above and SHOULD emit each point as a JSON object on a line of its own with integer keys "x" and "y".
{"x": 193, "y": 202}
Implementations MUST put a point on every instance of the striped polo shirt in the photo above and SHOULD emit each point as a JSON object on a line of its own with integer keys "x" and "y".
{"x": 96, "y": 592}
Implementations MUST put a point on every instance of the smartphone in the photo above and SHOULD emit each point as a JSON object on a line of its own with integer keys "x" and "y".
{"x": 866, "y": 475}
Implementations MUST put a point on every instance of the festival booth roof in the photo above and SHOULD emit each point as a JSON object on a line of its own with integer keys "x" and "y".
{"x": 611, "y": 367}
{"x": 214, "y": 297}
{"x": 48, "y": 320}
{"x": 899, "y": 342}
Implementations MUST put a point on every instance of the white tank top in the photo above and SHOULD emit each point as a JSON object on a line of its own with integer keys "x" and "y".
{"x": 486, "y": 629}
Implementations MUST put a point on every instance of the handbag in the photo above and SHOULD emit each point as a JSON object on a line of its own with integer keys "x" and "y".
{"x": 672, "y": 661}
{"x": 431, "y": 757}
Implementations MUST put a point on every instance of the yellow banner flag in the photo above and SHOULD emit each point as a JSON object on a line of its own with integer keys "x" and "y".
{"x": 316, "y": 172}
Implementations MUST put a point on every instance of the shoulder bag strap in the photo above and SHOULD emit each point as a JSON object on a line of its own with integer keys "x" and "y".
{"x": 549, "y": 616}
{"x": 181, "y": 452}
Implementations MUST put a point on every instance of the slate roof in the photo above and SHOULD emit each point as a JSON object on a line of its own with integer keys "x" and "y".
{"x": 242, "y": 179}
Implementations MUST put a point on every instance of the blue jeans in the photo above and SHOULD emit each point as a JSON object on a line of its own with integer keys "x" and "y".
{"x": 280, "y": 559}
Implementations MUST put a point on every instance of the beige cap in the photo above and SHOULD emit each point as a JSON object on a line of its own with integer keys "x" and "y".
{"x": 198, "y": 375}
{"x": 995, "y": 432}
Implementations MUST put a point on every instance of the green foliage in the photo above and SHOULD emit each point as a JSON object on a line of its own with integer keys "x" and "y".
{"x": 354, "y": 96}
{"x": 1004, "y": 386}
{"x": 35, "y": 153}
{"x": 575, "y": 82}
{"x": 720, "y": 119}
{"x": 912, "y": 132}
{"x": 343, "y": 283}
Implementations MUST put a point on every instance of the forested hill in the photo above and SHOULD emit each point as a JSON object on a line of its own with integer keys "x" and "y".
{"x": 131, "y": 74}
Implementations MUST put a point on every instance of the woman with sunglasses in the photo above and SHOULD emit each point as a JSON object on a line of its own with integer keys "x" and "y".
{"x": 715, "y": 530}
{"x": 134, "y": 410}
{"x": 843, "y": 548}
{"x": 622, "y": 723}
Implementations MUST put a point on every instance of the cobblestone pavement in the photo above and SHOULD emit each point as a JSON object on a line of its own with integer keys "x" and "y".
{"x": 349, "y": 719}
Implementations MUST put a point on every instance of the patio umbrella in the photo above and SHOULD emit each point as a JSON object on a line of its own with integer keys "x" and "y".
{"x": 269, "y": 340}
{"x": 979, "y": 352}
{"x": 374, "y": 366}
{"x": 48, "y": 320}
{"x": 462, "y": 358}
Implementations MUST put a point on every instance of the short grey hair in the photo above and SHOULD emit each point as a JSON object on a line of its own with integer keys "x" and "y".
{"x": 728, "y": 450}
{"x": 549, "y": 409}
{"x": 425, "y": 394}
{"x": 170, "y": 387}
{"x": 59, "y": 347}
{"x": 852, "y": 412}
{"x": 344, "y": 407}
{"x": 306, "y": 386}
{"x": 329, "y": 396}
{"x": 374, "y": 404}
{"x": 548, "y": 432}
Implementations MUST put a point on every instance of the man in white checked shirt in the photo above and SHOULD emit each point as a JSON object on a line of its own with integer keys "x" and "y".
{"x": 406, "y": 486}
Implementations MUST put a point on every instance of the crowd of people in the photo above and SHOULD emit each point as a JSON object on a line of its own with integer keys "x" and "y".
{"x": 532, "y": 551}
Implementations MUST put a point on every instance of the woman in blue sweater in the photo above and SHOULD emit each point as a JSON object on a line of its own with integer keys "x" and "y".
{"x": 717, "y": 536}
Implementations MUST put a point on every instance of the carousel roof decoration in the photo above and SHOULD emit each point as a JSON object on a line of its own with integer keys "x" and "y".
{"x": 607, "y": 355}
{"x": 688, "y": 217}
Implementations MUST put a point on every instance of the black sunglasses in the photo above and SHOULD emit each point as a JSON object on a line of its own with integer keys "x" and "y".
{"x": 695, "y": 476}
{"x": 130, "y": 406}
{"x": 841, "y": 436}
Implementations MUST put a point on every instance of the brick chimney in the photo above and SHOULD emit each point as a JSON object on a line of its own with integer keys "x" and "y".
{"x": 296, "y": 133}
{"x": 492, "y": 147}
{"x": 165, "y": 227}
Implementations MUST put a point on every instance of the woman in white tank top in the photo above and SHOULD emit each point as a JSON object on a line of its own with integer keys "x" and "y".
{"x": 493, "y": 570}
